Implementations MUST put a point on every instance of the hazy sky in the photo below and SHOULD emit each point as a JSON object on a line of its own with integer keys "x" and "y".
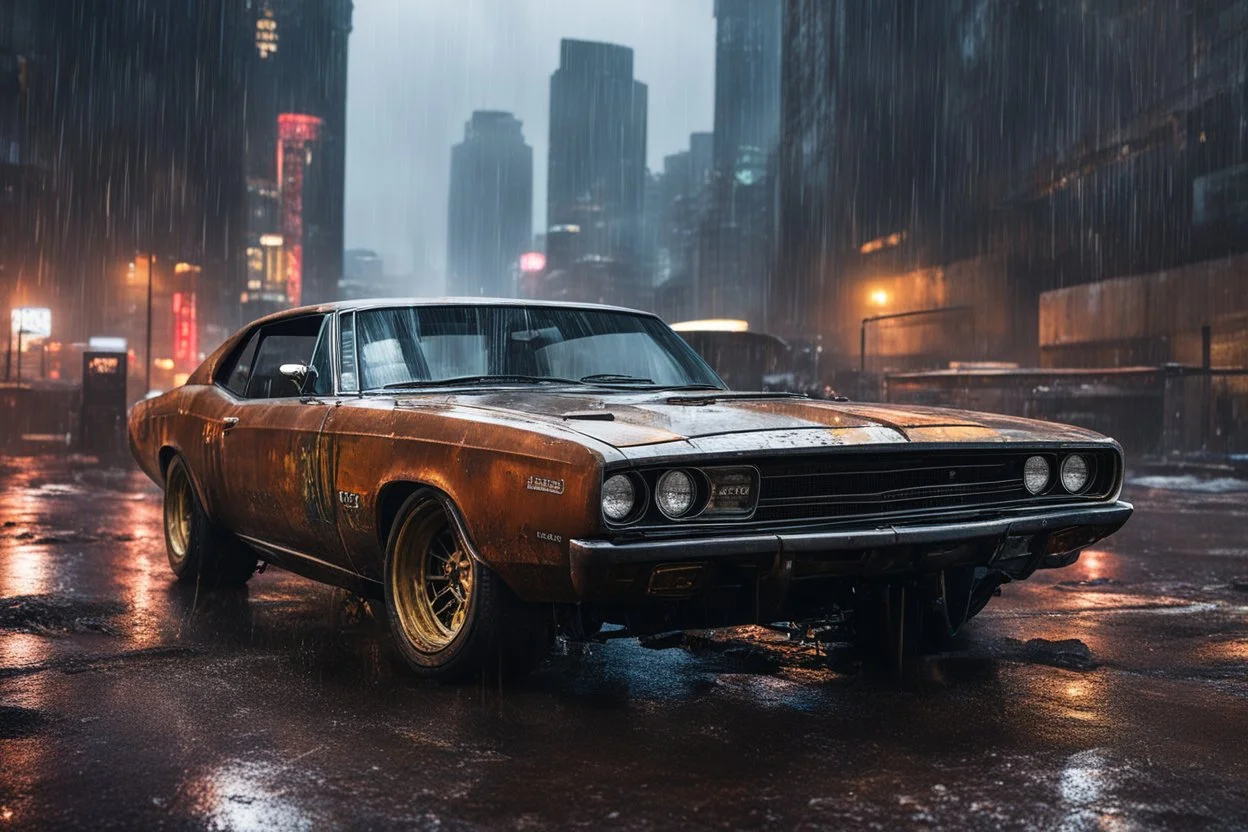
{"x": 420, "y": 67}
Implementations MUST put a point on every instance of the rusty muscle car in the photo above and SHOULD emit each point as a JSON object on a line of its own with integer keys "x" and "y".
{"x": 495, "y": 473}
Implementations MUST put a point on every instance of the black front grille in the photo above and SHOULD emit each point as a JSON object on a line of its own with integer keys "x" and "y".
{"x": 843, "y": 486}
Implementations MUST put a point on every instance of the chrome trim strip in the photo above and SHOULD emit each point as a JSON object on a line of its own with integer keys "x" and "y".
{"x": 641, "y": 551}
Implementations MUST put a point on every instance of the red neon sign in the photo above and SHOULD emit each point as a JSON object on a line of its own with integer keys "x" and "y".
{"x": 532, "y": 261}
{"x": 185, "y": 329}
{"x": 295, "y": 131}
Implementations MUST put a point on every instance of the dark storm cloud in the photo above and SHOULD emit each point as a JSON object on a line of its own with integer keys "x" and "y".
{"x": 420, "y": 67}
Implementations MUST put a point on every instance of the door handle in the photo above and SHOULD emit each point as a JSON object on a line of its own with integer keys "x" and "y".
{"x": 228, "y": 424}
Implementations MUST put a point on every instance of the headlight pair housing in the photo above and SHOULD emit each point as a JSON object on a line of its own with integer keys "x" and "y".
{"x": 676, "y": 494}
{"x": 1074, "y": 473}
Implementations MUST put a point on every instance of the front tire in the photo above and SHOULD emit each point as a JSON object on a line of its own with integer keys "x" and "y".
{"x": 200, "y": 551}
{"x": 451, "y": 617}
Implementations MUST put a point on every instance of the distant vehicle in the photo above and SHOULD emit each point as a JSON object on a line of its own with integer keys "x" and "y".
{"x": 497, "y": 471}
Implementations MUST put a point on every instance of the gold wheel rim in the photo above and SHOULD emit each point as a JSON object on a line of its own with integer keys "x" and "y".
{"x": 179, "y": 504}
{"x": 431, "y": 580}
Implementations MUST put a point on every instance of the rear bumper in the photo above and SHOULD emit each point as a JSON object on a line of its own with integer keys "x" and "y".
{"x": 603, "y": 570}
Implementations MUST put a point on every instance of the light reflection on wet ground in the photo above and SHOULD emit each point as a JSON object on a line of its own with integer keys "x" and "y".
{"x": 270, "y": 708}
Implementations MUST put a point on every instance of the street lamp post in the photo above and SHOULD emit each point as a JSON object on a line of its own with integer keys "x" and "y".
{"x": 147, "y": 353}
{"x": 20, "y": 333}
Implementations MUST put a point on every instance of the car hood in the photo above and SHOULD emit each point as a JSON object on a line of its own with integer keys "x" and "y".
{"x": 735, "y": 421}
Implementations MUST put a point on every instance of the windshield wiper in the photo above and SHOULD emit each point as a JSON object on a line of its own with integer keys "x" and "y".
{"x": 487, "y": 379}
{"x": 614, "y": 378}
{"x": 689, "y": 387}
{"x": 611, "y": 379}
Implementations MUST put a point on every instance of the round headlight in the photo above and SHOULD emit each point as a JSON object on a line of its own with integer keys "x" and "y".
{"x": 1074, "y": 473}
{"x": 675, "y": 493}
{"x": 1035, "y": 474}
{"x": 618, "y": 497}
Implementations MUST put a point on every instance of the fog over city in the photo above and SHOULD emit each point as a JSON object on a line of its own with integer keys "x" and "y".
{"x": 418, "y": 70}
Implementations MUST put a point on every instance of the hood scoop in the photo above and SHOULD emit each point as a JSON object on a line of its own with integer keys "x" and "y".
{"x": 589, "y": 416}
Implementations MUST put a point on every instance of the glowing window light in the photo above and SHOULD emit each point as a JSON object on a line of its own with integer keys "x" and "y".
{"x": 712, "y": 325}
{"x": 880, "y": 243}
{"x": 31, "y": 321}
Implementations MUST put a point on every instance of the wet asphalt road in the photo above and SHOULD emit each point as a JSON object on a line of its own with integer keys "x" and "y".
{"x": 127, "y": 703}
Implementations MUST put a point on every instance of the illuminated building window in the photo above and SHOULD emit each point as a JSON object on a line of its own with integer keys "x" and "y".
{"x": 880, "y": 243}
{"x": 266, "y": 35}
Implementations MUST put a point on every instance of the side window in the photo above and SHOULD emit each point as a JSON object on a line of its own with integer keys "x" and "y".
{"x": 346, "y": 353}
{"x": 235, "y": 377}
{"x": 287, "y": 342}
{"x": 322, "y": 363}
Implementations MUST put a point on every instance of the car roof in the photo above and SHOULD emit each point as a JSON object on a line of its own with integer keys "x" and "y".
{"x": 383, "y": 303}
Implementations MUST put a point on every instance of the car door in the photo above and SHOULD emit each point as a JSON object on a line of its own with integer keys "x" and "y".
{"x": 270, "y": 444}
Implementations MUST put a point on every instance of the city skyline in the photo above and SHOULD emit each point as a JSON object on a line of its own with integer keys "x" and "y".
{"x": 397, "y": 190}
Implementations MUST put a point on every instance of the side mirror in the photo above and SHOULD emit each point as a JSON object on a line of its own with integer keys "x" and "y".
{"x": 299, "y": 374}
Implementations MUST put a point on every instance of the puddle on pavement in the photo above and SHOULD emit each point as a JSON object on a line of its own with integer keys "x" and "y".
{"x": 16, "y": 723}
{"x": 1069, "y": 653}
{"x": 58, "y": 615}
{"x": 246, "y": 795}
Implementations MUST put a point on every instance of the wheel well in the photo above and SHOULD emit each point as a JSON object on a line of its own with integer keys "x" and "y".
{"x": 392, "y": 497}
{"x": 167, "y": 454}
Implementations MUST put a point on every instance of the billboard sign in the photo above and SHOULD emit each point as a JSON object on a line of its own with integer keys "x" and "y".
{"x": 32, "y": 322}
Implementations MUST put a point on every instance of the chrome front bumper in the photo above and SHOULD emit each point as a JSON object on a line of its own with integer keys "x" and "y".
{"x": 593, "y": 561}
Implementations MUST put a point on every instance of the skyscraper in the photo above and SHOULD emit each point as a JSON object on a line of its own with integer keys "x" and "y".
{"x": 296, "y": 88}
{"x": 933, "y": 156}
{"x": 140, "y": 151}
{"x": 490, "y": 219}
{"x": 679, "y": 215}
{"x": 733, "y": 255}
{"x": 597, "y": 177}
{"x": 701, "y": 159}
{"x": 747, "y": 85}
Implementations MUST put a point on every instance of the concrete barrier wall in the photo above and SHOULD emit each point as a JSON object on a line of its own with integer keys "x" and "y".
{"x": 1149, "y": 319}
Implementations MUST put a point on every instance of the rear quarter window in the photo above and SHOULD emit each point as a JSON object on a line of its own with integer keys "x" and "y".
{"x": 236, "y": 371}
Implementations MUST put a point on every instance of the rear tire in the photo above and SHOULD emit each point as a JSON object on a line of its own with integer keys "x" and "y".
{"x": 200, "y": 551}
{"x": 451, "y": 617}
